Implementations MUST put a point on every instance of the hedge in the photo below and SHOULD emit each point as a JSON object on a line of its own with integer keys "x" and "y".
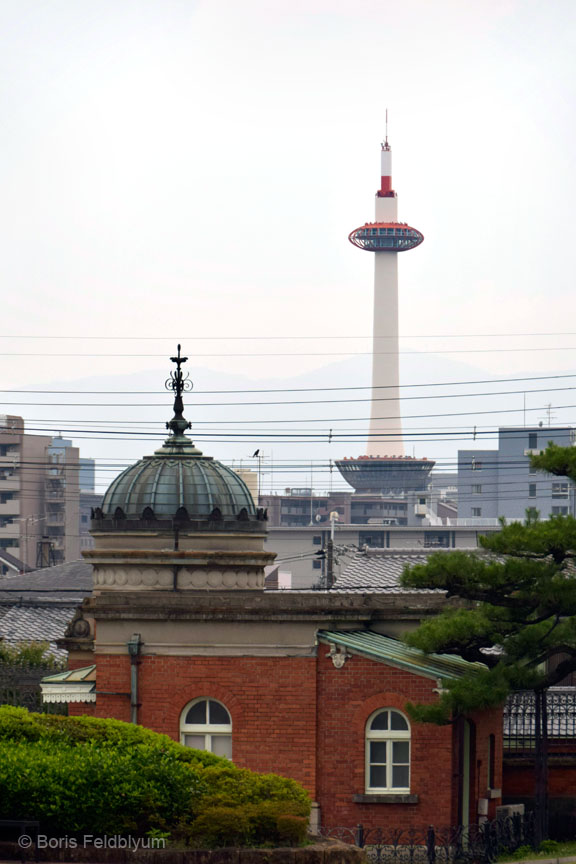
{"x": 83, "y": 774}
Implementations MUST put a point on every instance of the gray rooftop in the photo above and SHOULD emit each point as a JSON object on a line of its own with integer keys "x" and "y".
{"x": 380, "y": 570}
{"x": 64, "y": 583}
{"x": 34, "y": 623}
{"x": 37, "y": 606}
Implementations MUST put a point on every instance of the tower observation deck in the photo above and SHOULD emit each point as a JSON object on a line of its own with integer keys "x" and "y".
{"x": 385, "y": 467}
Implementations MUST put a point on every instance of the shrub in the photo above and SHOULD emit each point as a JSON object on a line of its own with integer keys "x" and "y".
{"x": 96, "y": 787}
{"x": 221, "y": 827}
{"x": 549, "y": 846}
{"x": 84, "y": 774}
{"x": 266, "y": 823}
{"x": 292, "y": 829}
{"x": 266, "y": 818}
{"x": 228, "y": 785}
{"x": 29, "y": 654}
{"x": 17, "y": 724}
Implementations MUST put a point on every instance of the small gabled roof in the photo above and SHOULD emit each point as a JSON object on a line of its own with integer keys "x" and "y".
{"x": 72, "y": 685}
{"x": 395, "y": 653}
{"x": 86, "y": 673}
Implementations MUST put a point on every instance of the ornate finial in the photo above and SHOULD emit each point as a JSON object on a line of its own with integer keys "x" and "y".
{"x": 178, "y": 382}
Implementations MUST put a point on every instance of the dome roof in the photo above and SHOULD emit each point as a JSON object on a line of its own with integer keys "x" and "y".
{"x": 177, "y": 480}
{"x": 178, "y": 476}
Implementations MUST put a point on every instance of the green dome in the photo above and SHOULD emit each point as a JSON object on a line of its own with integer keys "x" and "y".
{"x": 178, "y": 476}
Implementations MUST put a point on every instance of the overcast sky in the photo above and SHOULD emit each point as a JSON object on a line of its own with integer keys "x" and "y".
{"x": 185, "y": 169}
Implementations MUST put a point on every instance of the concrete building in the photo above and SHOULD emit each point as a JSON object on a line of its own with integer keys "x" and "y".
{"x": 494, "y": 483}
{"x": 301, "y": 552}
{"x": 39, "y": 496}
{"x": 302, "y": 506}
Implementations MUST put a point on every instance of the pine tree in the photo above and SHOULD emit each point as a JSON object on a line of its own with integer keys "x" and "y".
{"x": 511, "y": 608}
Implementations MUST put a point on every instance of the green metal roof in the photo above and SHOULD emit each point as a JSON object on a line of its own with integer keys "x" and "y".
{"x": 176, "y": 476}
{"x": 396, "y": 653}
{"x": 86, "y": 673}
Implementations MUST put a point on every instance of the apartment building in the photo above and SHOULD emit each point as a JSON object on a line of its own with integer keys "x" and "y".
{"x": 301, "y": 551}
{"x": 502, "y": 482}
{"x": 39, "y": 495}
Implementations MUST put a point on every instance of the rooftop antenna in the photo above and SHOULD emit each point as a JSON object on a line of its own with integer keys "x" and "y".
{"x": 386, "y": 145}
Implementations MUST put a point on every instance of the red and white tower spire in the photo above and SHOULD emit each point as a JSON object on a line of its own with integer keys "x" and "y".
{"x": 386, "y": 190}
{"x": 387, "y": 468}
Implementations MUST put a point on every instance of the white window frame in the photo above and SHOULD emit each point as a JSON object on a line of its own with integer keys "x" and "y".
{"x": 389, "y": 736}
{"x": 208, "y": 730}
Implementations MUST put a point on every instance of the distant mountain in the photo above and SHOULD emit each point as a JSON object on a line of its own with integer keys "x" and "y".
{"x": 232, "y": 426}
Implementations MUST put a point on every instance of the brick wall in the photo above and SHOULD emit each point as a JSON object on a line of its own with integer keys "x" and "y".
{"x": 486, "y": 723}
{"x": 304, "y": 718}
{"x": 347, "y": 697}
{"x": 519, "y": 780}
{"x": 271, "y": 700}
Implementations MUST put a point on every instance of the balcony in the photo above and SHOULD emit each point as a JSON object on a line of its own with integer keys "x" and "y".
{"x": 9, "y": 482}
{"x": 55, "y": 519}
{"x": 10, "y": 508}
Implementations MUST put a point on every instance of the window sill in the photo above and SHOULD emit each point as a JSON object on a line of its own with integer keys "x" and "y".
{"x": 385, "y": 798}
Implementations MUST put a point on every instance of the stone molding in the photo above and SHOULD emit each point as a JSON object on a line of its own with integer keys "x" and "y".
{"x": 130, "y": 577}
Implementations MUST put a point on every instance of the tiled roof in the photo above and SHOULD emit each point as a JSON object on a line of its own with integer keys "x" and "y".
{"x": 64, "y": 583}
{"x": 379, "y": 647}
{"x": 37, "y": 606}
{"x": 381, "y": 570}
{"x": 34, "y": 623}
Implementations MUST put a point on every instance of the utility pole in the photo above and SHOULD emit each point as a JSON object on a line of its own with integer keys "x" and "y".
{"x": 330, "y": 554}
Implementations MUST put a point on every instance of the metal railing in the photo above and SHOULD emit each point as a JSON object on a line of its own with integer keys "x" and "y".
{"x": 520, "y": 721}
{"x": 20, "y": 686}
{"x": 470, "y": 844}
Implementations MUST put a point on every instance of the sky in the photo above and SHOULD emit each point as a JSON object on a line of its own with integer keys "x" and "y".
{"x": 189, "y": 171}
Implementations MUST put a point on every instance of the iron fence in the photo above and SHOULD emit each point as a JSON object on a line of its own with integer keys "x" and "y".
{"x": 462, "y": 844}
{"x": 20, "y": 686}
{"x": 520, "y": 721}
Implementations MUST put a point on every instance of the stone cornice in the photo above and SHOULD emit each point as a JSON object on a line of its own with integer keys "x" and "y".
{"x": 254, "y": 605}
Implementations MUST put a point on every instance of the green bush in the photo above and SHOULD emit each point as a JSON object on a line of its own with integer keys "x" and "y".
{"x": 266, "y": 819}
{"x": 29, "y": 654}
{"x": 96, "y": 787}
{"x": 266, "y": 823}
{"x": 17, "y": 724}
{"x": 84, "y": 774}
{"x": 221, "y": 827}
{"x": 227, "y": 785}
{"x": 292, "y": 830}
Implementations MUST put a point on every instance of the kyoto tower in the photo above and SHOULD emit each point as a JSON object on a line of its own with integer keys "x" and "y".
{"x": 385, "y": 467}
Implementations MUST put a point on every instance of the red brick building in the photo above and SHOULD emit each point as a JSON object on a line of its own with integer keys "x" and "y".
{"x": 181, "y": 637}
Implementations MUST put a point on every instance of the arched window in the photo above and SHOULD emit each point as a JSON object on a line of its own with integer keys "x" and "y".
{"x": 387, "y": 752}
{"x": 206, "y": 725}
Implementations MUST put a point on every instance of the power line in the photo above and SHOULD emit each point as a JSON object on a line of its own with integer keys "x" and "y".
{"x": 300, "y": 389}
{"x": 193, "y": 405}
{"x": 295, "y": 353}
{"x": 197, "y": 338}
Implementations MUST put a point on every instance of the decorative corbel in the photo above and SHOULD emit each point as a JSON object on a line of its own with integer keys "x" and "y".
{"x": 338, "y": 657}
{"x": 439, "y": 689}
